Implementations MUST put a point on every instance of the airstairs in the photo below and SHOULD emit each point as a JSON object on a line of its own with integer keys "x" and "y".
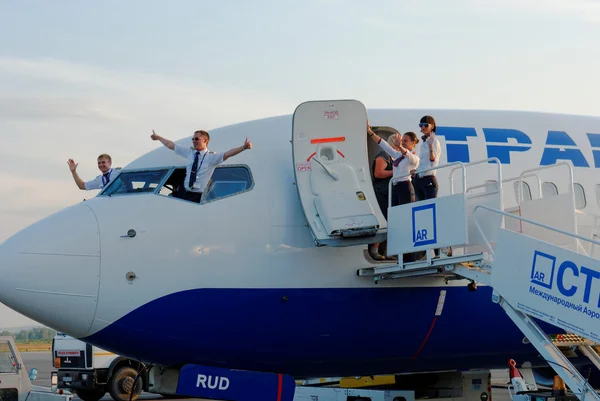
{"x": 533, "y": 257}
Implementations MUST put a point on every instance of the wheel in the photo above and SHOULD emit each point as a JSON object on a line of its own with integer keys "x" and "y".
{"x": 90, "y": 395}
{"x": 121, "y": 384}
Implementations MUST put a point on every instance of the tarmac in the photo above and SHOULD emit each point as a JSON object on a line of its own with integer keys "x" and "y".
{"x": 42, "y": 361}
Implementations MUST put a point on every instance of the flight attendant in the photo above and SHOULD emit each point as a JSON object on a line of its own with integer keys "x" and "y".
{"x": 405, "y": 160}
{"x": 425, "y": 182}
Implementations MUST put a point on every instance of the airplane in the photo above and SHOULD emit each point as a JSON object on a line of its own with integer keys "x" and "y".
{"x": 252, "y": 279}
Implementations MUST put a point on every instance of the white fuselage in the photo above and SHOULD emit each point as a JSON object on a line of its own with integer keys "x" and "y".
{"x": 240, "y": 279}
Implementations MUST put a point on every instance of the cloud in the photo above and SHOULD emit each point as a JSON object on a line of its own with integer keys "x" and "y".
{"x": 19, "y": 192}
{"x": 26, "y": 108}
{"x": 104, "y": 93}
{"x": 52, "y": 110}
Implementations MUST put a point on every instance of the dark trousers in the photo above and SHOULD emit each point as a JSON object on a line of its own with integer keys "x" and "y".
{"x": 426, "y": 188}
{"x": 181, "y": 193}
{"x": 403, "y": 192}
{"x": 382, "y": 201}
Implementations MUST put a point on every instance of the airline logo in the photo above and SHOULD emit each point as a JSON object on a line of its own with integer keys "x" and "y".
{"x": 566, "y": 283}
{"x": 424, "y": 227}
{"x": 504, "y": 143}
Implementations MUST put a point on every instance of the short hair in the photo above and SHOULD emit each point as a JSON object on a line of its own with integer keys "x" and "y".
{"x": 105, "y": 156}
{"x": 394, "y": 139}
{"x": 412, "y": 136}
{"x": 429, "y": 120}
{"x": 204, "y": 133}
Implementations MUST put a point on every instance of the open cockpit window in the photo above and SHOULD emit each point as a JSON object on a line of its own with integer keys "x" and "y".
{"x": 175, "y": 180}
{"x": 226, "y": 181}
{"x": 135, "y": 182}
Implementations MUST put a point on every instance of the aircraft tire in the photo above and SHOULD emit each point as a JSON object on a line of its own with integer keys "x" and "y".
{"x": 90, "y": 395}
{"x": 121, "y": 383}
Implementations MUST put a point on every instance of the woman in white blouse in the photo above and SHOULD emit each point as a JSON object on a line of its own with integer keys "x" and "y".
{"x": 405, "y": 160}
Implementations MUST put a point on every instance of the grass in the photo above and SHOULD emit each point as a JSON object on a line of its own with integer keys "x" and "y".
{"x": 34, "y": 346}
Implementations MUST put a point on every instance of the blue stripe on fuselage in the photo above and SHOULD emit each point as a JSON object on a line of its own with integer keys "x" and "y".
{"x": 320, "y": 332}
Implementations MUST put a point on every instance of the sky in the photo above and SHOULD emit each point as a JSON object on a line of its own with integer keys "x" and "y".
{"x": 82, "y": 78}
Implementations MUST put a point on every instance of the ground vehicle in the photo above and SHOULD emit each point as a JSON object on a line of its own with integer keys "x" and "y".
{"x": 91, "y": 372}
{"x": 15, "y": 382}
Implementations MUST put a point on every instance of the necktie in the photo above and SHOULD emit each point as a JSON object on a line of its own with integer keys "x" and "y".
{"x": 397, "y": 161}
{"x": 105, "y": 178}
{"x": 193, "y": 172}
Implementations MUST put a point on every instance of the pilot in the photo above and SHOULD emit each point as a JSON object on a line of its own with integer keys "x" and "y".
{"x": 201, "y": 162}
{"x": 104, "y": 165}
{"x": 425, "y": 182}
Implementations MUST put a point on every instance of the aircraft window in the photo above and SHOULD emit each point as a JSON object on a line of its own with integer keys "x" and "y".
{"x": 173, "y": 182}
{"x": 549, "y": 189}
{"x": 133, "y": 182}
{"x": 227, "y": 181}
{"x": 7, "y": 359}
{"x": 525, "y": 188}
{"x": 579, "y": 197}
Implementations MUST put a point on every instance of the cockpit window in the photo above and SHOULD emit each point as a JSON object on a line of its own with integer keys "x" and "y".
{"x": 133, "y": 182}
{"x": 227, "y": 181}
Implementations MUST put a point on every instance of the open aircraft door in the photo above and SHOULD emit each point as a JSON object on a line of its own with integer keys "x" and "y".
{"x": 329, "y": 143}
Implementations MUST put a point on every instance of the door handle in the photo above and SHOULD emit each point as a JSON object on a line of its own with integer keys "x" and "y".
{"x": 130, "y": 234}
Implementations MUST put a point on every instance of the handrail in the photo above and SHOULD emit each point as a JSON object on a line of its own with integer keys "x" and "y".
{"x": 455, "y": 166}
{"x": 465, "y": 190}
{"x": 503, "y": 181}
{"x": 539, "y": 168}
{"x": 577, "y": 236}
{"x": 396, "y": 179}
{"x": 520, "y": 187}
{"x": 595, "y": 218}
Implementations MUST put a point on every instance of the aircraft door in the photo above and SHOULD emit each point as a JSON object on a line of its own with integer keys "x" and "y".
{"x": 332, "y": 173}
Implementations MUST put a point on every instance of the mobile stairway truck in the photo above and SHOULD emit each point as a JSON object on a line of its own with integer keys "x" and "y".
{"x": 15, "y": 382}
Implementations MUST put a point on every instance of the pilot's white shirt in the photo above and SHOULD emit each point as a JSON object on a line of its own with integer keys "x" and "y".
{"x": 98, "y": 183}
{"x": 409, "y": 162}
{"x": 207, "y": 161}
{"x": 425, "y": 162}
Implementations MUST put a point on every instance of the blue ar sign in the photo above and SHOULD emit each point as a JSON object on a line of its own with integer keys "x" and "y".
{"x": 424, "y": 225}
{"x": 542, "y": 270}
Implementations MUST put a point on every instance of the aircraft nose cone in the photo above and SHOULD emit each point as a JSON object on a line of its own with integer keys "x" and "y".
{"x": 50, "y": 271}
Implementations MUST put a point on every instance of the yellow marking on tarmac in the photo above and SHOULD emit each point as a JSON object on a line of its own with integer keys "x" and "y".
{"x": 103, "y": 353}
